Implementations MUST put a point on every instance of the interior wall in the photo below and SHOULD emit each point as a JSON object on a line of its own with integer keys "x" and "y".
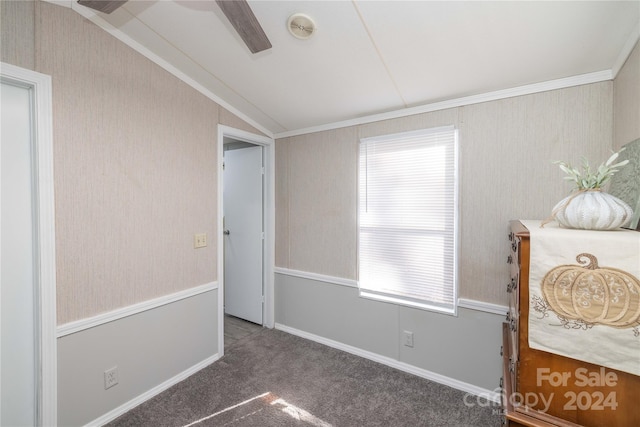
{"x": 626, "y": 101}
{"x": 227, "y": 118}
{"x": 151, "y": 351}
{"x": 506, "y": 152}
{"x": 446, "y": 349}
{"x": 135, "y": 170}
{"x": 135, "y": 163}
{"x": 17, "y": 24}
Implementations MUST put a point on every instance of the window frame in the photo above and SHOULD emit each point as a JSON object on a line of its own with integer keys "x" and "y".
{"x": 401, "y": 300}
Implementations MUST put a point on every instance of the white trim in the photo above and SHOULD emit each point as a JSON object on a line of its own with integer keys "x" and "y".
{"x": 143, "y": 50}
{"x": 115, "y": 413}
{"x": 626, "y": 50}
{"x": 483, "y": 306}
{"x": 462, "y": 302}
{"x": 243, "y": 135}
{"x": 91, "y": 322}
{"x": 317, "y": 277}
{"x": 583, "y": 79}
{"x": 405, "y": 367}
{"x": 407, "y": 302}
{"x": 43, "y": 148}
{"x": 220, "y": 239}
{"x": 268, "y": 315}
{"x": 457, "y": 224}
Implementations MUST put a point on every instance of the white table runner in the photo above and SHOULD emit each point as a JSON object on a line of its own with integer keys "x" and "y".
{"x": 586, "y": 309}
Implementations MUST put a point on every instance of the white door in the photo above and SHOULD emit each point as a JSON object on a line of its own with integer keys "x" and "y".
{"x": 243, "y": 228}
{"x": 18, "y": 263}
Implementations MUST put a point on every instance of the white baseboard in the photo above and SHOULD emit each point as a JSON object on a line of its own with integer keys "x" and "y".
{"x": 120, "y": 410}
{"x": 490, "y": 395}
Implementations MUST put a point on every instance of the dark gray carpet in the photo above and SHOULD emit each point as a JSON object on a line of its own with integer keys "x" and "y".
{"x": 274, "y": 379}
{"x": 237, "y": 329}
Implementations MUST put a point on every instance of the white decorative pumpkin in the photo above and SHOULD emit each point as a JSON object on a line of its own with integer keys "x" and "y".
{"x": 592, "y": 210}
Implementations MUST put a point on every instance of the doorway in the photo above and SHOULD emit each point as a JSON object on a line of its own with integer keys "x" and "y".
{"x": 27, "y": 291}
{"x": 246, "y": 180}
{"x": 243, "y": 220}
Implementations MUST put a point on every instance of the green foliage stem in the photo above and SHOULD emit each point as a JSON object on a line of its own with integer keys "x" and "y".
{"x": 587, "y": 179}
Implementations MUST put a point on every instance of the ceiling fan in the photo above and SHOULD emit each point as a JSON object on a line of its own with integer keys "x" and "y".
{"x": 237, "y": 12}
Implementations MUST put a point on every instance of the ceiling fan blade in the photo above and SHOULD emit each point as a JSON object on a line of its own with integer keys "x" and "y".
{"x": 105, "y": 6}
{"x": 246, "y": 24}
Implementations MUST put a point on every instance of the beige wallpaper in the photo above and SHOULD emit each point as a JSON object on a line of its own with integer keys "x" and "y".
{"x": 17, "y": 26}
{"x": 322, "y": 187}
{"x": 506, "y": 150}
{"x": 134, "y": 164}
{"x": 626, "y": 97}
{"x": 282, "y": 244}
{"x": 227, "y": 118}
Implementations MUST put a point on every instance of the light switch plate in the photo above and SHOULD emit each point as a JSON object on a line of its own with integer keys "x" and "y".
{"x": 200, "y": 240}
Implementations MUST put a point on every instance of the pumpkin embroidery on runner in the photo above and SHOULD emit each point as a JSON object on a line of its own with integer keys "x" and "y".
{"x": 586, "y": 295}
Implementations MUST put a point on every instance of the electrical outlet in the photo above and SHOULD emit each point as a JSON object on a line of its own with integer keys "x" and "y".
{"x": 407, "y": 338}
{"x": 110, "y": 377}
{"x": 200, "y": 240}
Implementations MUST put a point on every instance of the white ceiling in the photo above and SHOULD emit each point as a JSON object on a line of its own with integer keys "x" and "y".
{"x": 373, "y": 57}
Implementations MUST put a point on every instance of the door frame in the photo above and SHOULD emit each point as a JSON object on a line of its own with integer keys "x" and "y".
{"x": 44, "y": 224}
{"x": 268, "y": 316}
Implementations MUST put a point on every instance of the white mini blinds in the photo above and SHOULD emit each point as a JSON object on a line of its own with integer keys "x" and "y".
{"x": 408, "y": 218}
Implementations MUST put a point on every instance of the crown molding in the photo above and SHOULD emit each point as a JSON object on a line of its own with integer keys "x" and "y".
{"x": 582, "y": 79}
{"x": 626, "y": 50}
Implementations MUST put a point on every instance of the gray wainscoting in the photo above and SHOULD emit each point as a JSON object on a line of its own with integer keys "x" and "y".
{"x": 151, "y": 349}
{"x": 462, "y": 350}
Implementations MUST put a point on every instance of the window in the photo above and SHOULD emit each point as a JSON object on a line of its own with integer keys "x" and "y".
{"x": 408, "y": 219}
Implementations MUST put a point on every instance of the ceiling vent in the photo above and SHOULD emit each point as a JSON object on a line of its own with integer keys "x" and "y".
{"x": 301, "y": 26}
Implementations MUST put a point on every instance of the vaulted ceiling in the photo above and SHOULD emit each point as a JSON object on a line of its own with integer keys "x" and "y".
{"x": 371, "y": 57}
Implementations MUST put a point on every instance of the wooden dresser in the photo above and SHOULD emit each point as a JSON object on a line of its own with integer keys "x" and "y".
{"x": 546, "y": 389}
